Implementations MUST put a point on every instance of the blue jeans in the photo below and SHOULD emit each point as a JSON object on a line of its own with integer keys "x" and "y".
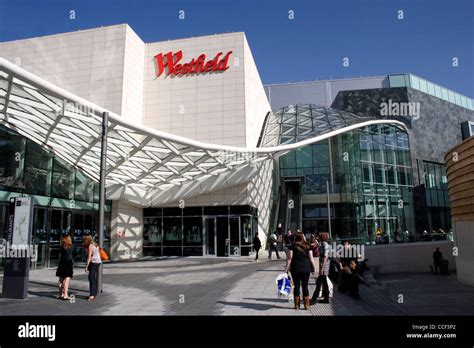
{"x": 93, "y": 278}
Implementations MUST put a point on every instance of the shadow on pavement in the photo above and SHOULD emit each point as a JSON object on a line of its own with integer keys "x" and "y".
{"x": 254, "y": 306}
{"x": 56, "y": 286}
{"x": 49, "y": 294}
{"x": 273, "y": 300}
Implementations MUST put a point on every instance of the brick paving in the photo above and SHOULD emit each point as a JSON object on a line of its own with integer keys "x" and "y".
{"x": 231, "y": 286}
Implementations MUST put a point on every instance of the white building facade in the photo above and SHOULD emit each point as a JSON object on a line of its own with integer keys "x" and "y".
{"x": 222, "y": 103}
{"x": 192, "y": 163}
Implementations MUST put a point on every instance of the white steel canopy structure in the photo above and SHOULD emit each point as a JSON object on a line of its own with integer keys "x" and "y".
{"x": 144, "y": 166}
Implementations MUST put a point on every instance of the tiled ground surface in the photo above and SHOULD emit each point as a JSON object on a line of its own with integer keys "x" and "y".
{"x": 231, "y": 286}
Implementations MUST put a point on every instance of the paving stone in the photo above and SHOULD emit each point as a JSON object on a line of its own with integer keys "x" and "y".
{"x": 230, "y": 286}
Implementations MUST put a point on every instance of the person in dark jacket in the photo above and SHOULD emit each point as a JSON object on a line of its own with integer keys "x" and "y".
{"x": 437, "y": 258}
{"x": 257, "y": 244}
{"x": 65, "y": 266}
{"x": 288, "y": 238}
{"x": 349, "y": 280}
{"x": 335, "y": 267}
{"x": 299, "y": 261}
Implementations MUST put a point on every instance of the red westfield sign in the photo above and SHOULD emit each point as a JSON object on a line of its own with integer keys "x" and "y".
{"x": 171, "y": 62}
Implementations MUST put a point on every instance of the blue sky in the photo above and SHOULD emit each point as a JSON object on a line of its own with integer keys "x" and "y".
{"x": 310, "y": 46}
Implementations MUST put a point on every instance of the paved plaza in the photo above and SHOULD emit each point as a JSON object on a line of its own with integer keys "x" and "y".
{"x": 231, "y": 286}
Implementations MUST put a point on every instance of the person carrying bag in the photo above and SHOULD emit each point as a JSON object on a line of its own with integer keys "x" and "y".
{"x": 299, "y": 262}
{"x": 94, "y": 261}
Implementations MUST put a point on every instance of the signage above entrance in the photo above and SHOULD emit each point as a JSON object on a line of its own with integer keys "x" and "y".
{"x": 171, "y": 62}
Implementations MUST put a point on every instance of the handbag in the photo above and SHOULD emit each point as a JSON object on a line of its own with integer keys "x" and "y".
{"x": 103, "y": 255}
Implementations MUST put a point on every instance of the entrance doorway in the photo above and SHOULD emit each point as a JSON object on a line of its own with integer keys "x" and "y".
{"x": 216, "y": 236}
{"x": 60, "y": 223}
{"x": 222, "y": 236}
{"x": 210, "y": 236}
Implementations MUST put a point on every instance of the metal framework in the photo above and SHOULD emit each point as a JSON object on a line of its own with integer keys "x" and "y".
{"x": 144, "y": 166}
{"x": 294, "y": 123}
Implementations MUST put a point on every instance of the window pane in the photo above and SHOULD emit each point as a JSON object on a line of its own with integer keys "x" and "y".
{"x": 397, "y": 80}
{"x": 423, "y": 86}
{"x": 84, "y": 187}
{"x": 61, "y": 179}
{"x": 192, "y": 230}
{"x": 10, "y": 160}
{"x": 415, "y": 82}
{"x": 36, "y": 169}
{"x": 304, "y": 158}
{"x": 172, "y": 232}
{"x": 152, "y": 237}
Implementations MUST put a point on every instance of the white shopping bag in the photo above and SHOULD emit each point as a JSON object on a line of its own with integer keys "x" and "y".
{"x": 330, "y": 286}
{"x": 283, "y": 284}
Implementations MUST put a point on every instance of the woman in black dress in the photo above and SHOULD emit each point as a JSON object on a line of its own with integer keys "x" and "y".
{"x": 64, "y": 271}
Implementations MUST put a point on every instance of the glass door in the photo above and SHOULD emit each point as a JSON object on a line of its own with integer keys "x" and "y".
{"x": 3, "y": 229}
{"x": 222, "y": 236}
{"x": 210, "y": 236}
{"x": 40, "y": 236}
{"x": 60, "y": 224}
{"x": 54, "y": 236}
{"x": 235, "y": 247}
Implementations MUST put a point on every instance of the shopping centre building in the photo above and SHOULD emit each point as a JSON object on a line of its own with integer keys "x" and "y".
{"x": 198, "y": 162}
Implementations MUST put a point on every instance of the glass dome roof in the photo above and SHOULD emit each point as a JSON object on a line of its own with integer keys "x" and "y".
{"x": 294, "y": 123}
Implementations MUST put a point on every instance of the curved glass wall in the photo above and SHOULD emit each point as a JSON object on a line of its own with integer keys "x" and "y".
{"x": 367, "y": 172}
{"x": 294, "y": 123}
{"x": 312, "y": 162}
{"x": 373, "y": 170}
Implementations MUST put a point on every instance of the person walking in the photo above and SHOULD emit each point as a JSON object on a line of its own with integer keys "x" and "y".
{"x": 257, "y": 244}
{"x": 322, "y": 280}
{"x": 288, "y": 238}
{"x": 299, "y": 262}
{"x": 437, "y": 258}
{"x": 65, "y": 266}
{"x": 92, "y": 265}
{"x": 272, "y": 246}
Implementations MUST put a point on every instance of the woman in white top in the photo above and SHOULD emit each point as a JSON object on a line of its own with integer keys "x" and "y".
{"x": 92, "y": 265}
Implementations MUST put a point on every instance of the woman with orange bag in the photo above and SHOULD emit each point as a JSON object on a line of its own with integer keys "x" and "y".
{"x": 92, "y": 265}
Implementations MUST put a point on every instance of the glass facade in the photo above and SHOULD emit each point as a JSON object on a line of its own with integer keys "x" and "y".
{"x": 428, "y": 87}
{"x": 66, "y": 200}
{"x": 373, "y": 170}
{"x": 437, "y": 201}
{"x": 312, "y": 162}
{"x": 294, "y": 123}
{"x": 368, "y": 173}
{"x": 372, "y": 174}
{"x": 198, "y": 231}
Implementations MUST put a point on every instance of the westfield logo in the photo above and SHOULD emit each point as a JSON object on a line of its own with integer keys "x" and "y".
{"x": 171, "y": 62}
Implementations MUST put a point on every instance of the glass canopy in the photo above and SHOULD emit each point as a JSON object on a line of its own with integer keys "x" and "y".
{"x": 295, "y": 123}
{"x": 146, "y": 166}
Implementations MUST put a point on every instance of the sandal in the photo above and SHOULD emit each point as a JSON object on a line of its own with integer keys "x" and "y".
{"x": 91, "y": 298}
